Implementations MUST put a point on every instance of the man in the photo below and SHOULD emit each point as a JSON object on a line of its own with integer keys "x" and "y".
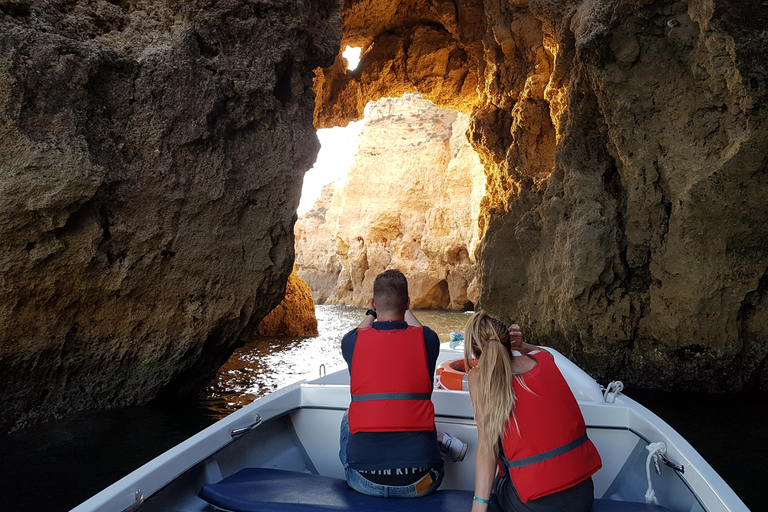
{"x": 389, "y": 445}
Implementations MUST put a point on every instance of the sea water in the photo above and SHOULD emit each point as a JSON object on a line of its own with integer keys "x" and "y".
{"x": 55, "y": 466}
{"x": 266, "y": 364}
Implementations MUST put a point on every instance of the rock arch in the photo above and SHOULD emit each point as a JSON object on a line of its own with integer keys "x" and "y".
{"x": 151, "y": 152}
{"x": 625, "y": 155}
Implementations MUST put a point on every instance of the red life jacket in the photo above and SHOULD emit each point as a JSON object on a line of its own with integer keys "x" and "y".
{"x": 390, "y": 382}
{"x": 550, "y": 452}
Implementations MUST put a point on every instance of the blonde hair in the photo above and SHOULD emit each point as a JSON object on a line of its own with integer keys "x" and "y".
{"x": 488, "y": 338}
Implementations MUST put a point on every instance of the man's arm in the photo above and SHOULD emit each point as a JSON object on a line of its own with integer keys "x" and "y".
{"x": 348, "y": 347}
{"x": 411, "y": 319}
{"x": 367, "y": 321}
{"x": 432, "y": 343}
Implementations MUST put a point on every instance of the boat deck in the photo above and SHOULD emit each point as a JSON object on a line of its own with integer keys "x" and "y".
{"x": 296, "y": 429}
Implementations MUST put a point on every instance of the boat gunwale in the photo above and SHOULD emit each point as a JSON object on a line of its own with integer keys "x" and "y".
{"x": 174, "y": 463}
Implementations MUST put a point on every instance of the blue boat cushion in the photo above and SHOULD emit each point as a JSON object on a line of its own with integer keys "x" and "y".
{"x": 276, "y": 490}
{"x": 267, "y": 490}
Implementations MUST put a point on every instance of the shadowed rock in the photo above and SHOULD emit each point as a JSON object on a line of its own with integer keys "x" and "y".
{"x": 151, "y": 158}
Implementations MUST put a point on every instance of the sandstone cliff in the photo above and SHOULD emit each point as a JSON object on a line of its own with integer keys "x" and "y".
{"x": 410, "y": 201}
{"x": 151, "y": 156}
{"x": 295, "y": 315}
{"x": 624, "y": 143}
{"x": 149, "y": 159}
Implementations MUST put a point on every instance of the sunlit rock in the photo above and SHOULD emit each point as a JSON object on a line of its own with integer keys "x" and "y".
{"x": 409, "y": 201}
{"x": 295, "y": 315}
{"x": 625, "y": 148}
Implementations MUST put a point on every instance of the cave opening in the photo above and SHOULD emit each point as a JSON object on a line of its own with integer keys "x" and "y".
{"x": 508, "y": 99}
{"x": 400, "y": 188}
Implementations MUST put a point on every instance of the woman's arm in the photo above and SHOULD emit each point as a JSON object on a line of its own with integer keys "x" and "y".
{"x": 485, "y": 461}
{"x": 516, "y": 340}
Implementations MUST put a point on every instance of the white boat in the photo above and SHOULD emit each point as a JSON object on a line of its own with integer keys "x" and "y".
{"x": 292, "y": 437}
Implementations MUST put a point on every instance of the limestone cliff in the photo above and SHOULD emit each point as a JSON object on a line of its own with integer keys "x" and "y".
{"x": 625, "y": 149}
{"x": 315, "y": 241}
{"x": 151, "y": 159}
{"x": 295, "y": 315}
{"x": 410, "y": 200}
{"x": 151, "y": 156}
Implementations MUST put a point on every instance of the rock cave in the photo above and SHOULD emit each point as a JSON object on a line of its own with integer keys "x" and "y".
{"x": 152, "y": 153}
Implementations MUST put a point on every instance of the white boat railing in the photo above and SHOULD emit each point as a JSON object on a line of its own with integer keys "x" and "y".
{"x": 619, "y": 427}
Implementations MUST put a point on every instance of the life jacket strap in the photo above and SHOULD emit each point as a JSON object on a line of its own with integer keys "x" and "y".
{"x": 549, "y": 454}
{"x": 390, "y": 396}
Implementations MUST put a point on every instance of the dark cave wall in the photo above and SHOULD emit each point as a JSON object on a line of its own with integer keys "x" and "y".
{"x": 151, "y": 160}
{"x": 643, "y": 255}
{"x": 151, "y": 156}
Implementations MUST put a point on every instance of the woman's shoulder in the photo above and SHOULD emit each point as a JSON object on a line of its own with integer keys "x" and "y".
{"x": 524, "y": 363}
{"x": 540, "y": 353}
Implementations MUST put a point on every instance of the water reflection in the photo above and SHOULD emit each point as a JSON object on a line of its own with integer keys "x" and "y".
{"x": 266, "y": 364}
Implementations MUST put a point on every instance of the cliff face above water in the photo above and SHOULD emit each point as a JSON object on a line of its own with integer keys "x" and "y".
{"x": 625, "y": 150}
{"x": 152, "y": 152}
{"x": 410, "y": 200}
{"x": 149, "y": 160}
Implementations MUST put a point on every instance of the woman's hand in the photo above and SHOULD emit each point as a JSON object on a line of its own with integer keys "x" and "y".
{"x": 515, "y": 337}
{"x": 516, "y": 340}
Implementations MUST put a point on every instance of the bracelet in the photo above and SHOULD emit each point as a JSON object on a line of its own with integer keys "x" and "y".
{"x": 481, "y": 500}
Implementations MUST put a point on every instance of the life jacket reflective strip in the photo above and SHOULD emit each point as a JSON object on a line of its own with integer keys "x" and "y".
{"x": 389, "y": 397}
{"x": 551, "y": 451}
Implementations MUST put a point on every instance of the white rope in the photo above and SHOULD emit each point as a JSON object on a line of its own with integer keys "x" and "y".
{"x": 613, "y": 389}
{"x": 654, "y": 450}
{"x": 439, "y": 382}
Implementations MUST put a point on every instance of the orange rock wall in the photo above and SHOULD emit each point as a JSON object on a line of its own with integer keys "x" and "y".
{"x": 625, "y": 151}
{"x": 295, "y": 315}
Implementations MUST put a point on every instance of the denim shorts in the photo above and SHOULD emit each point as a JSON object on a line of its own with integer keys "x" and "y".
{"x": 426, "y": 485}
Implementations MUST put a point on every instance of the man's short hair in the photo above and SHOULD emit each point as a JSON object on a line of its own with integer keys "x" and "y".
{"x": 390, "y": 291}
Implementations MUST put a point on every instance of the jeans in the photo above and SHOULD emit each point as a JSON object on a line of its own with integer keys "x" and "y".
{"x": 364, "y": 486}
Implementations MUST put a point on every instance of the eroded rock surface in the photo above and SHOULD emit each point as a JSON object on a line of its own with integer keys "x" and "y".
{"x": 625, "y": 149}
{"x": 410, "y": 201}
{"x": 151, "y": 155}
{"x": 149, "y": 159}
{"x": 295, "y": 315}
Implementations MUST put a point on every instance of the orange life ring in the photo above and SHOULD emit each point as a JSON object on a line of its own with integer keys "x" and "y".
{"x": 451, "y": 375}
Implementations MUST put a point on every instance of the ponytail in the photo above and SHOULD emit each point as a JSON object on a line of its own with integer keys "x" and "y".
{"x": 487, "y": 339}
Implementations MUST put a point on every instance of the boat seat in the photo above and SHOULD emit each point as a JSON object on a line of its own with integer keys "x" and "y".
{"x": 268, "y": 490}
{"x": 276, "y": 490}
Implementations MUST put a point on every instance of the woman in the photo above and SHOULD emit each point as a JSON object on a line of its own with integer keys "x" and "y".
{"x": 528, "y": 421}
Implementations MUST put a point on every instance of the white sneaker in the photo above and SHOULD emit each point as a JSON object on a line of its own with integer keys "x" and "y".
{"x": 454, "y": 447}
